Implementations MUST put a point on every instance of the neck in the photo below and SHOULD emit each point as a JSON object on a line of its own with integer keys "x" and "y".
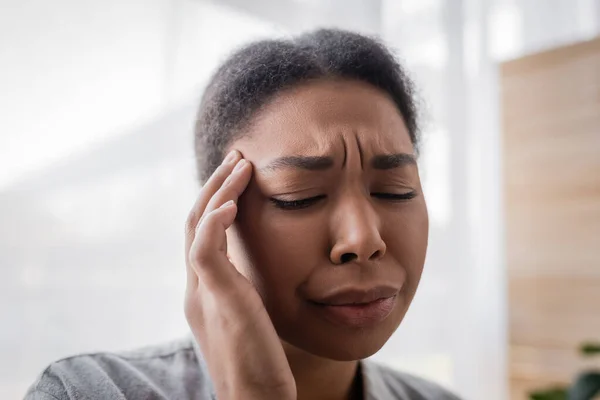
{"x": 319, "y": 378}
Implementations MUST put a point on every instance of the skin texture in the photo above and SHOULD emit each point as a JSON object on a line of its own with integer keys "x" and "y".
{"x": 260, "y": 284}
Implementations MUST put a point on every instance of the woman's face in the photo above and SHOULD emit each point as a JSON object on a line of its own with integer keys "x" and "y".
{"x": 332, "y": 229}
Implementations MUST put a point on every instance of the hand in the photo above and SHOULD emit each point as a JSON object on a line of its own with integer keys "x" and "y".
{"x": 225, "y": 312}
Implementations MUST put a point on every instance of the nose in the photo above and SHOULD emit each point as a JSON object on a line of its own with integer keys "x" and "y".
{"x": 356, "y": 233}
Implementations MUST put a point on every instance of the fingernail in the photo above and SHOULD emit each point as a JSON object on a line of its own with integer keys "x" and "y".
{"x": 239, "y": 165}
{"x": 230, "y": 157}
{"x": 227, "y": 204}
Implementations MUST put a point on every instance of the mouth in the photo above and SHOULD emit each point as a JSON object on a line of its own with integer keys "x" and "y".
{"x": 357, "y": 296}
{"x": 358, "y": 308}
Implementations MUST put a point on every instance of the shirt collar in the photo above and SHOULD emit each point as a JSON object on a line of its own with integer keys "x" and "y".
{"x": 374, "y": 387}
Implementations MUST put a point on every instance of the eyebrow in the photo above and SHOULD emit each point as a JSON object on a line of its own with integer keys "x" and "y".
{"x": 320, "y": 163}
{"x": 310, "y": 163}
{"x": 391, "y": 161}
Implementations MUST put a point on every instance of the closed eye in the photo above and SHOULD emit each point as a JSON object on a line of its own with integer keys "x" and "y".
{"x": 296, "y": 204}
{"x": 304, "y": 203}
{"x": 395, "y": 196}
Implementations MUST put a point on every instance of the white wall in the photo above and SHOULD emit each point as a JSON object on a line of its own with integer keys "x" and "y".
{"x": 96, "y": 170}
{"x": 74, "y": 71}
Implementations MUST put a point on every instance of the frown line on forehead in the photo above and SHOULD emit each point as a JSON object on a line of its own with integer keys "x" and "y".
{"x": 321, "y": 163}
{"x": 358, "y": 146}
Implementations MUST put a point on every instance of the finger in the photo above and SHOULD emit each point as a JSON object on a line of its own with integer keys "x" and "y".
{"x": 233, "y": 187}
{"x": 208, "y": 252}
{"x": 206, "y": 193}
{"x": 208, "y": 189}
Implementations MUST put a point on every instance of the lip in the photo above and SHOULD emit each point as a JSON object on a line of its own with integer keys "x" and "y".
{"x": 358, "y": 315}
{"x": 356, "y": 307}
{"x": 357, "y": 296}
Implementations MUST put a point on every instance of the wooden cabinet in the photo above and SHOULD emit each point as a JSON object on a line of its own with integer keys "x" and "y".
{"x": 551, "y": 129}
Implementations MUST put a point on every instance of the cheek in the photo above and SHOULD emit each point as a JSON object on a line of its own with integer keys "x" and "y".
{"x": 406, "y": 236}
{"x": 278, "y": 252}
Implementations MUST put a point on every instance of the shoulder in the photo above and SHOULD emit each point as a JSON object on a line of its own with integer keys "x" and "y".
{"x": 388, "y": 383}
{"x": 165, "y": 371}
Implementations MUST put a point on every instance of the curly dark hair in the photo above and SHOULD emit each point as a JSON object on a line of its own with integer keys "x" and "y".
{"x": 251, "y": 76}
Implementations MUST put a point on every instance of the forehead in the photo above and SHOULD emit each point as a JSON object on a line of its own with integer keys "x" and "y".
{"x": 318, "y": 117}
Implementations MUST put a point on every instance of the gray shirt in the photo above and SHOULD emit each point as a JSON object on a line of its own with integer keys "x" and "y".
{"x": 177, "y": 370}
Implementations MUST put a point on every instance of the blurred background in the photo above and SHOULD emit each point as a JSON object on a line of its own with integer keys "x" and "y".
{"x": 97, "y": 175}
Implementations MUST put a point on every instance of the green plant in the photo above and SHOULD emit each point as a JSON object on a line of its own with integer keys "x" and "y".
{"x": 585, "y": 387}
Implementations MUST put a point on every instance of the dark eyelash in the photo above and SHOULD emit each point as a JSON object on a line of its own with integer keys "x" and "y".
{"x": 296, "y": 204}
{"x": 303, "y": 203}
{"x": 395, "y": 196}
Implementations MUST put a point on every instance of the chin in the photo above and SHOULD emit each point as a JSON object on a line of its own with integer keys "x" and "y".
{"x": 340, "y": 343}
{"x": 350, "y": 350}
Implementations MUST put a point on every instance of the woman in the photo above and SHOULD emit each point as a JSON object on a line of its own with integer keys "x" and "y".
{"x": 306, "y": 245}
